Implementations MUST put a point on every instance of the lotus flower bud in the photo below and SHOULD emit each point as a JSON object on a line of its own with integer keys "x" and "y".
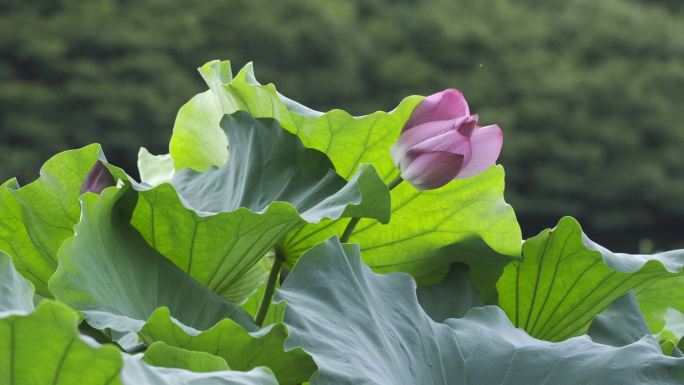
{"x": 441, "y": 141}
{"x": 98, "y": 179}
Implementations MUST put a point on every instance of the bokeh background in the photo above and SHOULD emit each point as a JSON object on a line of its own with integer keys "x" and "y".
{"x": 590, "y": 94}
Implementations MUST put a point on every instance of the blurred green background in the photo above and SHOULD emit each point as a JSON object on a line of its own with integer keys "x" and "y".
{"x": 590, "y": 93}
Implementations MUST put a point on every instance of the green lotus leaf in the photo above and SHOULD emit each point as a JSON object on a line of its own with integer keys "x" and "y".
{"x": 248, "y": 284}
{"x": 44, "y": 348}
{"x": 163, "y": 355}
{"x": 673, "y": 329}
{"x": 423, "y": 223}
{"x": 466, "y": 220}
{"x": 16, "y": 293}
{"x": 663, "y": 306}
{"x": 35, "y": 219}
{"x": 565, "y": 280}
{"x": 375, "y": 332}
{"x": 240, "y": 349}
{"x": 198, "y": 141}
{"x": 221, "y": 251}
{"x": 117, "y": 280}
{"x": 217, "y": 225}
{"x": 268, "y": 164}
{"x": 349, "y": 141}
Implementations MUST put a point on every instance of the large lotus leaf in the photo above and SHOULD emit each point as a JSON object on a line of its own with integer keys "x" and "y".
{"x": 109, "y": 272}
{"x": 240, "y": 349}
{"x": 37, "y": 218}
{"x": 220, "y": 251}
{"x": 198, "y": 142}
{"x": 138, "y": 372}
{"x": 349, "y": 141}
{"x": 430, "y": 230}
{"x": 249, "y": 283}
{"x": 565, "y": 280}
{"x": 165, "y": 356}
{"x": 663, "y": 306}
{"x": 44, "y": 348}
{"x": 222, "y": 221}
{"x": 365, "y": 328}
{"x": 485, "y": 266}
{"x": 423, "y": 223}
{"x": 620, "y": 324}
{"x": 268, "y": 164}
{"x": 16, "y": 293}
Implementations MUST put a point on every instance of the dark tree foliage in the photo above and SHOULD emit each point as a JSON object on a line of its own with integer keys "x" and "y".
{"x": 589, "y": 93}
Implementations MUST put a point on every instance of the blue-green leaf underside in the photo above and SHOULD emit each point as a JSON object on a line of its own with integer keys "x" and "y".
{"x": 451, "y": 298}
{"x": 16, "y": 293}
{"x": 268, "y": 164}
{"x": 376, "y": 333}
{"x": 620, "y": 324}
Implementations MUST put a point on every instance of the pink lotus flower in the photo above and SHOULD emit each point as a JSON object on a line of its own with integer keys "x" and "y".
{"x": 441, "y": 141}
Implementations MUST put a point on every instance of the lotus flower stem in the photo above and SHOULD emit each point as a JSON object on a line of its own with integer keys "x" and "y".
{"x": 395, "y": 182}
{"x": 354, "y": 221}
{"x": 270, "y": 288}
{"x": 349, "y": 229}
